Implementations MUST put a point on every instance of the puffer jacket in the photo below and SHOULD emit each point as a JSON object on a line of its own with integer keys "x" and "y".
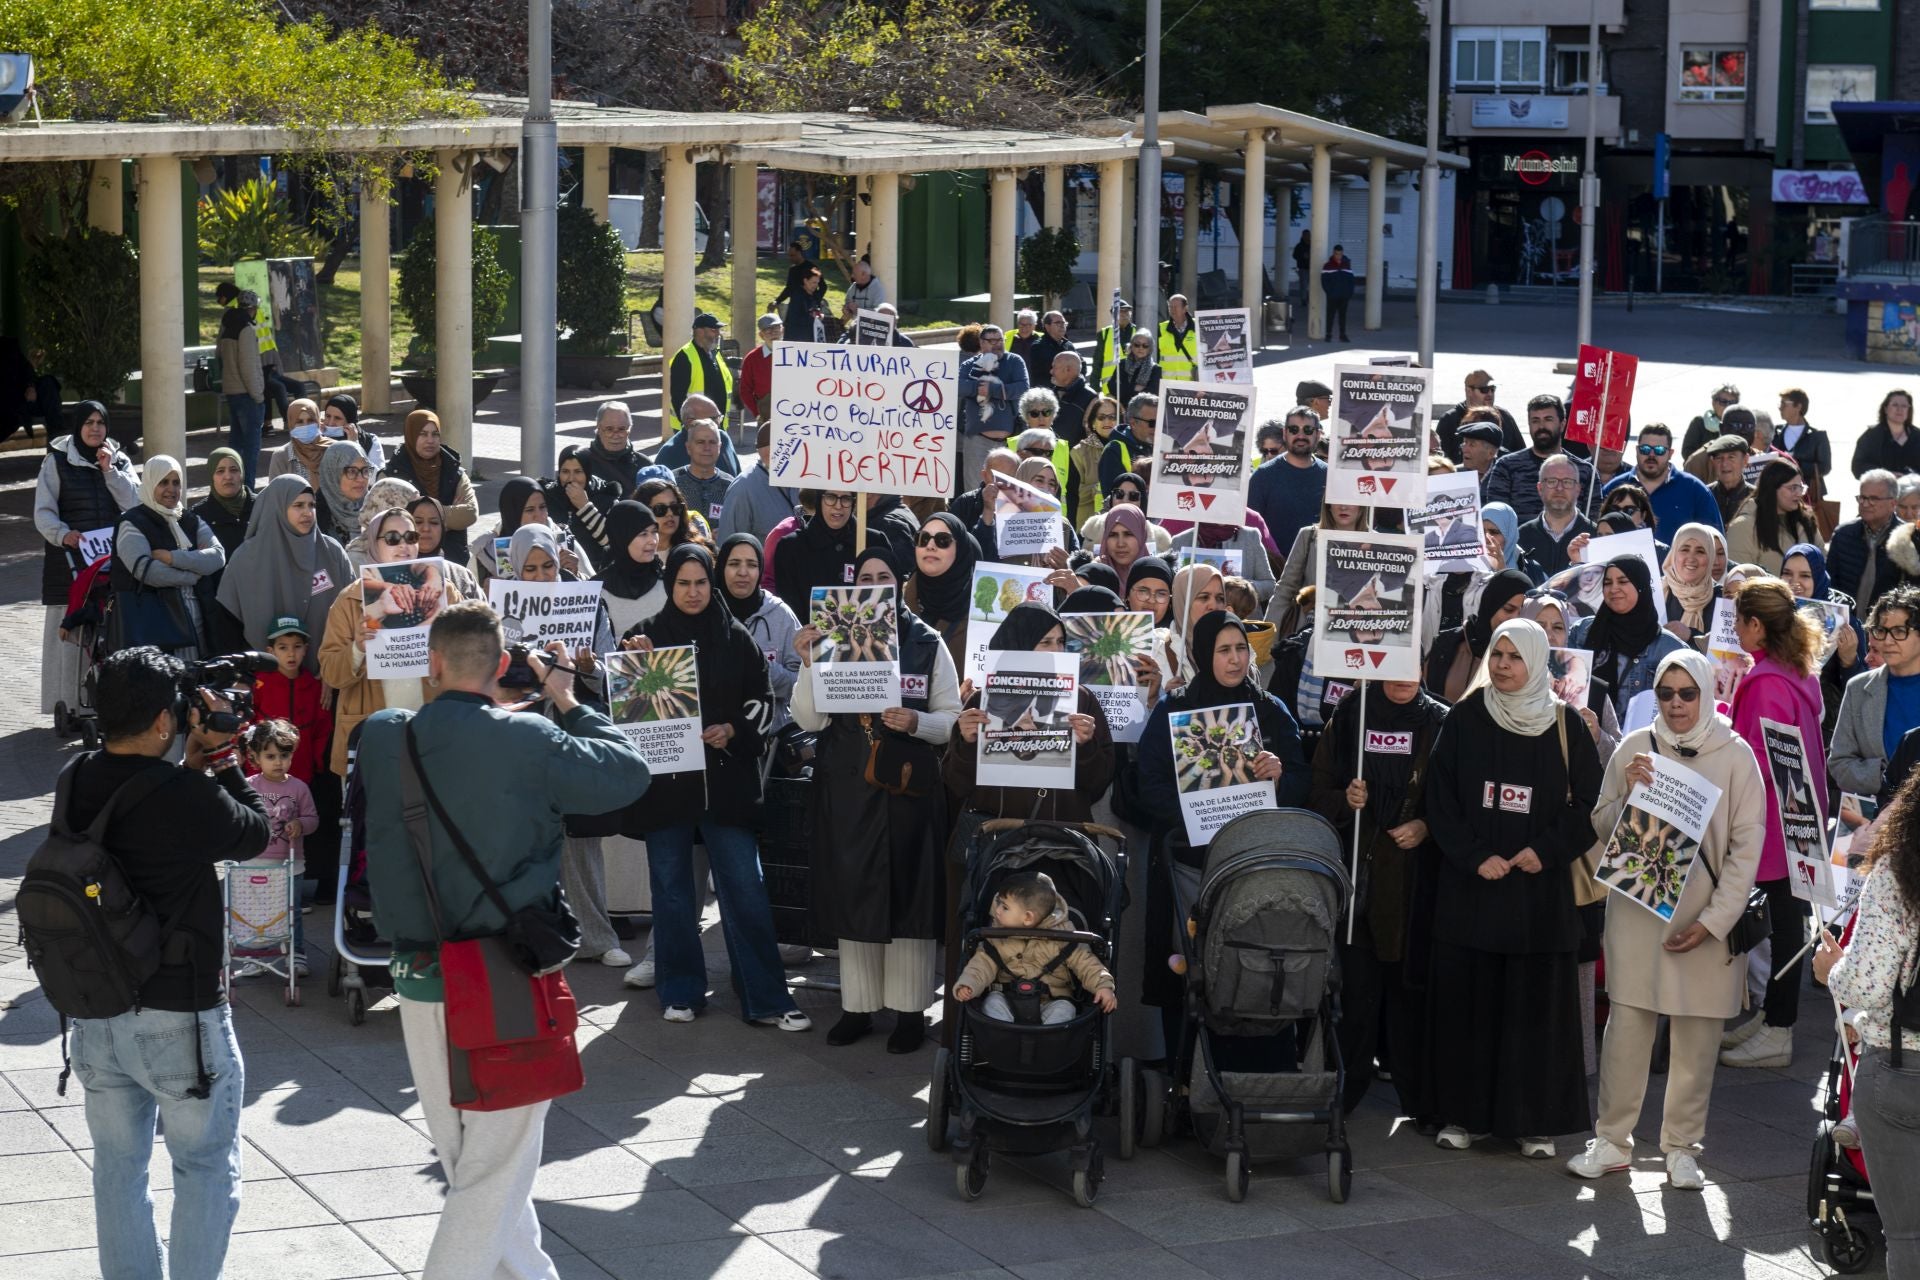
{"x": 1026, "y": 957}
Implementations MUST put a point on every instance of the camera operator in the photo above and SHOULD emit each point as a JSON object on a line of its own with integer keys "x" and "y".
{"x": 505, "y": 779}
{"x": 174, "y": 1055}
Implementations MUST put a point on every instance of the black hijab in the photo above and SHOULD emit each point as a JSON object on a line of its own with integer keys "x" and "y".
{"x": 946, "y": 598}
{"x": 514, "y": 496}
{"x": 624, "y": 576}
{"x": 1024, "y": 627}
{"x": 1618, "y": 638}
{"x": 1093, "y": 599}
{"x": 1099, "y": 573}
{"x": 742, "y": 610}
{"x": 709, "y": 629}
{"x": 1203, "y": 690}
{"x": 1501, "y": 588}
{"x": 1152, "y": 567}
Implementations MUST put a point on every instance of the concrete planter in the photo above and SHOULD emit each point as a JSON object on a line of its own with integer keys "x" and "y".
{"x": 420, "y": 384}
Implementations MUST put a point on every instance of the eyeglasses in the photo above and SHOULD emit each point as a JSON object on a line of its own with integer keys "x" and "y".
{"x": 358, "y": 473}
{"x": 1127, "y": 495}
{"x": 1564, "y": 482}
{"x": 1040, "y": 413}
{"x": 1160, "y": 596}
{"x": 668, "y": 509}
{"x": 1653, "y": 450}
{"x": 1274, "y": 452}
{"x": 1869, "y": 497}
{"x": 1668, "y": 695}
{"x": 1035, "y": 451}
{"x": 1890, "y": 633}
{"x": 940, "y": 540}
{"x": 836, "y": 499}
{"x": 395, "y": 539}
{"x": 1485, "y": 388}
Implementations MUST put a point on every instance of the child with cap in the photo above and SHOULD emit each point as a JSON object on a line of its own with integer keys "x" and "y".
{"x": 296, "y": 696}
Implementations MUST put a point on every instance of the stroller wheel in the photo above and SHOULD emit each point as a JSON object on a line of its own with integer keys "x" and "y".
{"x": 1239, "y": 1174}
{"x": 1086, "y": 1182}
{"x": 291, "y": 997}
{"x": 970, "y": 1179}
{"x": 63, "y": 721}
{"x": 938, "y": 1112}
{"x": 356, "y": 1006}
{"x": 1129, "y": 1106}
{"x": 90, "y": 734}
{"x": 336, "y": 976}
{"x": 1848, "y": 1251}
{"x": 1339, "y": 1176}
{"x": 1153, "y": 1107}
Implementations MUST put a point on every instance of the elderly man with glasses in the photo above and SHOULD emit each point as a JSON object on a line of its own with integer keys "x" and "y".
{"x": 1857, "y": 558}
{"x": 1548, "y": 537}
{"x": 1287, "y": 490}
{"x": 611, "y": 456}
{"x": 1480, "y": 391}
{"x": 1677, "y": 497}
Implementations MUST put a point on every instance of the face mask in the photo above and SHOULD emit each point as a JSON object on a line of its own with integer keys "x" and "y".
{"x": 336, "y": 433}
{"x": 306, "y": 433}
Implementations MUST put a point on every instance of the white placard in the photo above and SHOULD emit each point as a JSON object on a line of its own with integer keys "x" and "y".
{"x": 997, "y": 588}
{"x": 869, "y": 419}
{"x": 872, "y": 328}
{"x": 1449, "y": 525}
{"x": 1226, "y": 345}
{"x": 1228, "y": 560}
{"x": 97, "y": 543}
{"x": 1213, "y": 754}
{"x": 858, "y": 668}
{"x": 399, "y": 601}
{"x": 654, "y": 698}
{"x": 1802, "y": 815}
{"x": 1026, "y": 520}
{"x": 1730, "y": 662}
{"x": 1377, "y": 442}
{"x": 1366, "y": 614}
{"x": 1111, "y": 647}
{"x": 1648, "y": 857}
{"x": 538, "y": 613}
{"x": 1634, "y": 542}
{"x": 1027, "y": 740}
{"x": 1200, "y": 464}
{"x": 1849, "y": 848}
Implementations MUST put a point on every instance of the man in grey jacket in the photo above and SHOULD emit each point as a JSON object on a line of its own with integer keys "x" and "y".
{"x": 754, "y": 504}
{"x": 1880, "y": 706}
{"x": 243, "y": 381}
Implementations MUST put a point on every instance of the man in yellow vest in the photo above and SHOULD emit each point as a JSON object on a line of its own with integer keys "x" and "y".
{"x": 1112, "y": 347}
{"x": 1178, "y": 360}
{"x": 698, "y": 369}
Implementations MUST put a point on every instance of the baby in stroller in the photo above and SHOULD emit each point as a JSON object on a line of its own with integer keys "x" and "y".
{"x": 1032, "y": 979}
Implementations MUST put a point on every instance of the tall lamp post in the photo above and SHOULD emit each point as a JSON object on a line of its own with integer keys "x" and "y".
{"x": 1146, "y": 245}
{"x": 1589, "y": 180}
{"x": 539, "y": 246}
{"x": 1426, "y": 290}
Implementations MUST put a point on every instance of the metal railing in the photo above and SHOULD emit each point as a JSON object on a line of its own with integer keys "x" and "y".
{"x": 1878, "y": 246}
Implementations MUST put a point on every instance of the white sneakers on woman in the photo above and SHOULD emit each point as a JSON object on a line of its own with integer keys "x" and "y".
{"x": 1602, "y": 1157}
{"x": 1683, "y": 1171}
{"x": 1767, "y": 1047}
{"x": 641, "y": 975}
{"x": 615, "y": 959}
{"x": 1456, "y": 1138}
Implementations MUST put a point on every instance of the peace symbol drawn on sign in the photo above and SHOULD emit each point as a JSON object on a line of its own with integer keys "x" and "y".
{"x": 924, "y": 396}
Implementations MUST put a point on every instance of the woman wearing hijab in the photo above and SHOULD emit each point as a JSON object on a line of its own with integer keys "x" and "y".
{"x": 581, "y": 498}
{"x": 1625, "y": 636}
{"x": 940, "y": 592}
{"x": 1198, "y": 589}
{"x": 876, "y": 850}
{"x": 341, "y": 487}
{"x": 161, "y": 549}
{"x": 1455, "y": 661}
{"x": 229, "y": 503}
{"x": 1687, "y": 578}
{"x": 84, "y": 485}
{"x": 1035, "y": 473}
{"x": 1383, "y": 972}
{"x": 1678, "y": 967}
{"x": 1805, "y": 572}
{"x": 305, "y": 446}
{"x": 765, "y": 616}
{"x": 286, "y": 567}
{"x": 523, "y": 502}
{"x": 630, "y": 588}
{"x": 1500, "y": 527}
{"x": 430, "y": 522}
{"x": 819, "y": 553}
{"x": 1773, "y": 519}
{"x": 430, "y": 466}
{"x": 385, "y": 494}
{"x": 1123, "y": 538}
{"x": 340, "y": 420}
{"x": 1128, "y": 487}
{"x": 1510, "y": 791}
{"x": 716, "y": 802}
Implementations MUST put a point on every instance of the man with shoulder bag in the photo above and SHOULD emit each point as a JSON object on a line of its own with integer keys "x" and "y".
{"x": 466, "y": 804}
{"x": 122, "y": 917}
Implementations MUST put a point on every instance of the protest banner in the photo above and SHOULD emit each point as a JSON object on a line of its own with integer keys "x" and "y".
{"x": 1366, "y": 614}
{"x": 872, "y": 328}
{"x": 1572, "y": 672}
{"x": 1026, "y": 520}
{"x": 1802, "y": 820}
{"x": 869, "y": 419}
{"x": 1226, "y": 345}
{"x": 1593, "y": 564}
{"x": 1213, "y": 754}
{"x": 1027, "y": 740}
{"x": 996, "y": 589}
{"x": 1377, "y": 441}
{"x": 1602, "y": 402}
{"x": 398, "y": 603}
{"x": 96, "y": 543}
{"x": 654, "y": 698}
{"x": 1831, "y": 618}
{"x": 1228, "y": 560}
{"x": 1449, "y": 525}
{"x": 1849, "y": 847}
{"x": 1649, "y": 856}
{"x": 859, "y": 669}
{"x": 1111, "y": 648}
{"x": 503, "y": 558}
{"x": 1200, "y": 464}
{"x": 1730, "y": 662}
{"x": 538, "y": 613}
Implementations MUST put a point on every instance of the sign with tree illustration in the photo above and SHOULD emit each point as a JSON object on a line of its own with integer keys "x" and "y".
{"x": 997, "y": 588}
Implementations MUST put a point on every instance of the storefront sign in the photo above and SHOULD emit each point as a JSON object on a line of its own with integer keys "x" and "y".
{"x": 1519, "y": 111}
{"x": 1537, "y": 168}
{"x": 1818, "y": 186}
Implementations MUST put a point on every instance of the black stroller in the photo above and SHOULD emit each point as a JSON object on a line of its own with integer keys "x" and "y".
{"x": 1839, "y": 1195}
{"x": 1261, "y": 966}
{"x": 1027, "y": 1088}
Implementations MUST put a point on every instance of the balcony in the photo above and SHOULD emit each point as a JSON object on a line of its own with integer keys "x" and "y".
{"x": 1530, "y": 115}
{"x": 1536, "y": 13}
{"x": 1881, "y": 251}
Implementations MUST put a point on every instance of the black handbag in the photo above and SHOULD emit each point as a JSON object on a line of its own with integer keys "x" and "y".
{"x": 1755, "y": 924}
{"x": 151, "y": 615}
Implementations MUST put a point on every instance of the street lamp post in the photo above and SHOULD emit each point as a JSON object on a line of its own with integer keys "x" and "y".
{"x": 1589, "y": 180}
{"x": 1146, "y": 245}
{"x": 1426, "y": 290}
{"x": 539, "y": 246}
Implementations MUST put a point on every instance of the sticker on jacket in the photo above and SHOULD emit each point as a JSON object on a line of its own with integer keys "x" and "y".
{"x": 322, "y": 582}
{"x": 913, "y": 686}
{"x": 1507, "y": 798}
{"x": 1334, "y": 692}
{"x": 1389, "y": 744}
{"x": 846, "y": 573}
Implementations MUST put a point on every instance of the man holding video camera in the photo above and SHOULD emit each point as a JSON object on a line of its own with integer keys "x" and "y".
{"x": 173, "y": 1057}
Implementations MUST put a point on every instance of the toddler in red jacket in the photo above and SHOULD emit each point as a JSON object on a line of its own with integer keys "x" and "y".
{"x": 295, "y": 696}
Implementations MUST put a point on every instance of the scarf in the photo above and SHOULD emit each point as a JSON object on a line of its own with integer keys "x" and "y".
{"x": 1187, "y": 584}
{"x": 1500, "y": 590}
{"x": 1696, "y": 597}
{"x": 944, "y": 599}
{"x": 1700, "y": 671}
{"x": 1024, "y": 627}
{"x": 1096, "y": 574}
{"x": 1817, "y": 562}
{"x": 1530, "y": 710}
{"x": 741, "y": 608}
{"x": 1129, "y": 516}
{"x": 709, "y": 629}
{"x": 310, "y": 454}
{"x": 525, "y": 539}
{"x": 1618, "y": 638}
{"x": 235, "y": 506}
{"x": 1138, "y": 480}
{"x": 425, "y": 471}
{"x": 626, "y": 577}
{"x": 343, "y": 511}
{"x": 440, "y": 513}
{"x": 1203, "y": 689}
{"x": 1151, "y": 569}
{"x": 1091, "y": 599}
{"x": 158, "y": 468}
{"x": 276, "y": 572}
{"x": 514, "y": 496}
{"x": 1507, "y": 521}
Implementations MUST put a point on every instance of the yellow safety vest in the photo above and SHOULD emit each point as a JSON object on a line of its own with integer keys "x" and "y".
{"x": 1107, "y": 356}
{"x": 1176, "y": 353}
{"x": 263, "y": 328}
{"x": 697, "y": 382}
{"x": 1061, "y": 450}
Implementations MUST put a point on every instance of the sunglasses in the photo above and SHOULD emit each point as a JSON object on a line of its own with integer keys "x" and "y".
{"x": 1300, "y": 428}
{"x": 1127, "y": 495}
{"x": 669, "y": 509}
{"x": 940, "y": 540}
{"x": 1685, "y": 695}
{"x": 1040, "y": 413}
{"x": 1721, "y": 402}
{"x": 395, "y": 539}
{"x": 1653, "y": 450}
{"x": 1485, "y": 388}
{"x": 1274, "y": 452}
{"x": 1890, "y": 633}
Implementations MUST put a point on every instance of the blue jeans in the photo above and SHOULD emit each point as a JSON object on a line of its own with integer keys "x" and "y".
{"x": 243, "y": 436}
{"x": 137, "y": 1068}
{"x": 746, "y": 920}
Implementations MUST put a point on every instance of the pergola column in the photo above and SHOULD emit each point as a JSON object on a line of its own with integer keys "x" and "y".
{"x": 676, "y": 238}
{"x": 453, "y": 303}
{"x": 1054, "y": 197}
{"x": 744, "y": 255}
{"x": 1127, "y": 249}
{"x": 596, "y": 182}
{"x": 1190, "y": 186}
{"x": 106, "y": 207}
{"x": 1113, "y": 219}
{"x": 1376, "y": 240}
{"x": 376, "y": 289}
{"x": 163, "y": 383}
{"x": 1322, "y": 197}
{"x": 1001, "y": 247}
{"x": 862, "y": 217}
{"x": 1253, "y": 222}
{"x": 883, "y": 228}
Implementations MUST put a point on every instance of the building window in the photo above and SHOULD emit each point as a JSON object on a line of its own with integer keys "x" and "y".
{"x": 1713, "y": 74}
{"x": 1844, "y": 4}
{"x": 1830, "y": 84}
{"x": 1570, "y": 68}
{"x": 1499, "y": 59}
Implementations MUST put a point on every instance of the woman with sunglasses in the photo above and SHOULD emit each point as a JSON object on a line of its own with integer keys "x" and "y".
{"x": 1083, "y": 497}
{"x": 1128, "y": 488}
{"x": 1773, "y": 519}
{"x": 1676, "y": 968}
{"x": 1633, "y": 500}
{"x": 678, "y": 525}
{"x": 1139, "y": 373}
{"x": 940, "y": 592}
{"x": 819, "y": 553}
{"x": 383, "y": 495}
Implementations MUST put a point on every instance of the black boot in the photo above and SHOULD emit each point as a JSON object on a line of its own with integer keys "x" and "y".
{"x": 909, "y": 1031}
{"x": 850, "y": 1028}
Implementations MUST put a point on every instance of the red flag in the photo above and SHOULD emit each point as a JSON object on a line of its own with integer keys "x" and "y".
{"x": 1602, "y": 397}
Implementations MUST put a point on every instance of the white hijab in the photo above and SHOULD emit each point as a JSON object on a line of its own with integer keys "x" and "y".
{"x": 158, "y": 468}
{"x": 1530, "y": 710}
{"x": 1700, "y": 671}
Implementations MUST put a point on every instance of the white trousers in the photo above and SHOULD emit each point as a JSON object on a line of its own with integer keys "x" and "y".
{"x": 895, "y": 975}
{"x": 487, "y": 1229}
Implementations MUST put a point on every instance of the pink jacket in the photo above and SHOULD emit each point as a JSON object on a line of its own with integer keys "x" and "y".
{"x": 1773, "y": 692}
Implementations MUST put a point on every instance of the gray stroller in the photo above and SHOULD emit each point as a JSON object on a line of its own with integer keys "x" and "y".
{"x": 1262, "y": 970}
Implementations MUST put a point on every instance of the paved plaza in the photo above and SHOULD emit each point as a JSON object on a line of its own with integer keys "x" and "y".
{"x": 722, "y": 1150}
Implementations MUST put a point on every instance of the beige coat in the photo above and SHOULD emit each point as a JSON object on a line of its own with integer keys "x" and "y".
{"x": 1743, "y": 542}
{"x": 343, "y": 669}
{"x": 1026, "y": 957}
{"x": 1700, "y": 983}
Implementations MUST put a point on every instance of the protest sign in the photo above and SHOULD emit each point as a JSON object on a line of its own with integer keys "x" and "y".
{"x": 1377, "y": 443}
{"x": 1027, "y": 740}
{"x": 1449, "y": 525}
{"x": 1226, "y": 345}
{"x": 869, "y": 419}
{"x": 1635, "y": 542}
{"x": 1802, "y": 820}
{"x": 1729, "y": 660}
{"x": 1849, "y": 844}
{"x": 1228, "y": 560}
{"x": 1649, "y": 857}
{"x": 398, "y": 603}
{"x": 1366, "y": 614}
{"x": 1831, "y": 618}
{"x": 1213, "y": 754}
{"x": 859, "y": 669}
{"x": 1572, "y": 672}
{"x": 654, "y": 699}
{"x": 1200, "y": 463}
{"x": 1026, "y": 520}
{"x": 538, "y": 613}
{"x": 503, "y": 558}
{"x": 1111, "y": 647}
{"x": 872, "y": 328}
{"x": 1602, "y": 397}
{"x": 996, "y": 589}
{"x": 97, "y": 543}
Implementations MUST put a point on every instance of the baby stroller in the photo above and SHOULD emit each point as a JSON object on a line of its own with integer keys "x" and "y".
{"x": 89, "y": 603}
{"x": 1027, "y": 1088}
{"x": 358, "y": 966}
{"x": 1261, "y": 965}
{"x": 263, "y": 901}
{"x": 1837, "y": 1186}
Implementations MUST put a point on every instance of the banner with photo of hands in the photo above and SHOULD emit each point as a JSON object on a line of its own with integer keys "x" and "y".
{"x": 1572, "y": 674}
{"x": 1225, "y": 339}
{"x": 1850, "y": 840}
{"x": 1449, "y": 525}
{"x": 1111, "y": 648}
{"x": 858, "y": 667}
{"x": 398, "y": 602}
{"x": 997, "y": 588}
{"x": 1802, "y": 814}
{"x": 1200, "y": 465}
{"x": 1028, "y": 740}
{"x": 1377, "y": 436}
{"x": 654, "y": 700}
{"x": 1366, "y": 613}
{"x": 1831, "y": 617}
{"x": 1213, "y": 753}
{"x": 1026, "y": 519}
{"x": 1649, "y": 855}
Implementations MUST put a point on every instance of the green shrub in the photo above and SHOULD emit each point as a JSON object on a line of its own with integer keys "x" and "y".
{"x": 419, "y": 289}
{"x": 1046, "y": 262}
{"x": 590, "y": 292}
{"x": 251, "y": 223}
{"x": 82, "y": 299}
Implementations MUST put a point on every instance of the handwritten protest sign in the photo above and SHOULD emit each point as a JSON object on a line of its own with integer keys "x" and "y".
{"x": 996, "y": 589}
{"x": 872, "y": 328}
{"x": 1213, "y": 754}
{"x": 1111, "y": 648}
{"x": 399, "y": 602}
{"x": 538, "y": 613}
{"x": 654, "y": 698}
{"x": 1649, "y": 857}
{"x": 1802, "y": 818}
{"x": 1449, "y": 525}
{"x": 97, "y": 543}
{"x": 1200, "y": 463}
{"x": 1366, "y": 613}
{"x": 1226, "y": 345}
{"x": 1027, "y": 740}
{"x": 1026, "y": 520}
{"x": 1377, "y": 446}
{"x": 860, "y": 668}
{"x": 869, "y": 419}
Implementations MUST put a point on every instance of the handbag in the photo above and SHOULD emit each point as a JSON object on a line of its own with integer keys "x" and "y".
{"x": 1586, "y": 889}
{"x": 510, "y": 1030}
{"x": 889, "y": 766}
{"x": 1755, "y": 924}
{"x": 151, "y": 615}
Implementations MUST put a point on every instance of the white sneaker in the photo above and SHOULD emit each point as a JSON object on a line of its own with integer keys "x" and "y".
{"x": 1456, "y": 1138}
{"x": 615, "y": 958}
{"x": 792, "y": 1020}
{"x": 300, "y": 966}
{"x": 1743, "y": 1032}
{"x": 792, "y": 953}
{"x": 1683, "y": 1171}
{"x": 1846, "y": 1134}
{"x": 1599, "y": 1159}
{"x": 677, "y": 1013}
{"x": 641, "y": 975}
{"x": 1537, "y": 1148}
{"x": 1768, "y": 1047}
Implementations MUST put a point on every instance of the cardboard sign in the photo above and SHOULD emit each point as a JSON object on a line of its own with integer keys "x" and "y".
{"x": 869, "y": 419}
{"x": 1228, "y": 560}
{"x": 399, "y": 602}
{"x": 1650, "y": 854}
{"x": 1110, "y": 647}
{"x": 1635, "y": 542}
{"x": 1027, "y": 740}
{"x": 1366, "y": 614}
{"x": 1213, "y": 754}
{"x": 1226, "y": 345}
{"x": 96, "y": 543}
{"x": 997, "y": 588}
{"x": 1377, "y": 442}
{"x": 872, "y": 328}
{"x": 1026, "y": 520}
{"x": 859, "y": 669}
{"x": 1802, "y": 814}
{"x": 1200, "y": 464}
{"x": 1602, "y": 397}
{"x": 538, "y": 613}
{"x": 654, "y": 699}
{"x": 1449, "y": 525}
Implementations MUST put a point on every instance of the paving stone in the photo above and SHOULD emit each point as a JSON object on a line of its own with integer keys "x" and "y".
{"x": 703, "y": 1162}
{"x": 741, "y": 1258}
{"x": 660, "y": 1215}
{"x": 305, "y": 1253}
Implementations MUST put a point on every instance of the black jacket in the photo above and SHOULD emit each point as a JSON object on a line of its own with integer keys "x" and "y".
{"x": 1039, "y": 357}
{"x": 812, "y": 556}
{"x": 1159, "y": 793}
{"x": 1538, "y": 544}
{"x": 228, "y": 530}
{"x": 453, "y": 542}
{"x": 1877, "y": 448}
{"x": 1448, "y": 429}
{"x": 1093, "y": 766}
{"x": 734, "y": 690}
{"x": 1847, "y": 562}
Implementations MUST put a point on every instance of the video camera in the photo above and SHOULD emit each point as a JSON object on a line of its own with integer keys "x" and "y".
{"x": 229, "y": 676}
{"x": 519, "y": 673}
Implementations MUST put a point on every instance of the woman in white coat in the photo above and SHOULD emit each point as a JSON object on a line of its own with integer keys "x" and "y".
{"x": 1676, "y": 967}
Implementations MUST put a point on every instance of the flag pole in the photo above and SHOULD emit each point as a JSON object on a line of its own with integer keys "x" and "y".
{"x": 1359, "y": 772}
